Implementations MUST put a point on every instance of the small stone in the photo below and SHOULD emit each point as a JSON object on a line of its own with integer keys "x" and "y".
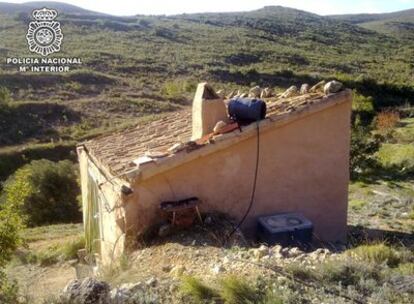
{"x": 132, "y": 287}
{"x": 405, "y": 215}
{"x": 304, "y": 89}
{"x": 177, "y": 271}
{"x": 173, "y": 288}
{"x": 72, "y": 262}
{"x": 292, "y": 91}
{"x": 208, "y": 220}
{"x": 152, "y": 282}
{"x": 260, "y": 252}
{"x": 119, "y": 295}
{"x": 332, "y": 87}
{"x": 219, "y": 126}
{"x": 255, "y": 92}
{"x": 176, "y": 148}
{"x": 266, "y": 93}
{"x": 317, "y": 87}
{"x": 166, "y": 268}
{"x": 82, "y": 254}
{"x": 231, "y": 94}
{"x": 294, "y": 252}
{"x": 277, "y": 249}
{"x": 285, "y": 251}
{"x": 221, "y": 93}
{"x": 165, "y": 230}
{"x": 281, "y": 279}
{"x": 218, "y": 269}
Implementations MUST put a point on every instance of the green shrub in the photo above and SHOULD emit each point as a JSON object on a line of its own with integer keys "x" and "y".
{"x": 237, "y": 291}
{"x": 70, "y": 249}
{"x": 178, "y": 88}
{"x": 406, "y": 269}
{"x": 52, "y": 254}
{"x": 357, "y": 204}
{"x": 363, "y": 106}
{"x": 300, "y": 272}
{"x": 48, "y": 257}
{"x": 197, "y": 290}
{"x": 363, "y": 148}
{"x": 8, "y": 290}
{"x": 376, "y": 253}
{"x": 271, "y": 298}
{"x": 10, "y": 238}
{"x": 4, "y": 95}
{"x": 347, "y": 272}
{"x": 398, "y": 156}
{"x": 45, "y": 192}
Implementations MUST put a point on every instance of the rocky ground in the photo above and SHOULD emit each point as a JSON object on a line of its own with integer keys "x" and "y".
{"x": 156, "y": 271}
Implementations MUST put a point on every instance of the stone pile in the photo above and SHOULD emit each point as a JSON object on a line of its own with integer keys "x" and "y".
{"x": 257, "y": 92}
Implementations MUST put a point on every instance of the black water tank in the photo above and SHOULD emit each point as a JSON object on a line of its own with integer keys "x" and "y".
{"x": 286, "y": 229}
{"x": 246, "y": 110}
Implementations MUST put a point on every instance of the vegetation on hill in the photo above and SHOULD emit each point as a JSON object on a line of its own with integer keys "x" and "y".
{"x": 45, "y": 192}
{"x": 137, "y": 66}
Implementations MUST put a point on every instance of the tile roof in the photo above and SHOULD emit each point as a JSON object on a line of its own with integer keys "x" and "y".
{"x": 117, "y": 151}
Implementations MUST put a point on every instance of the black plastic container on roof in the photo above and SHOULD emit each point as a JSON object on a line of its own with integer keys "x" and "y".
{"x": 246, "y": 110}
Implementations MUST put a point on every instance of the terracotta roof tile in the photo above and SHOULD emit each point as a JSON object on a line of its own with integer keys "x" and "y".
{"x": 116, "y": 151}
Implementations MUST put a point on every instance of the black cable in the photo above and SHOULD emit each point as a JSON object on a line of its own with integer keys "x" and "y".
{"x": 254, "y": 184}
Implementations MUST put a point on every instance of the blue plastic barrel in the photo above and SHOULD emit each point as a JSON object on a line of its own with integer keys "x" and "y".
{"x": 246, "y": 110}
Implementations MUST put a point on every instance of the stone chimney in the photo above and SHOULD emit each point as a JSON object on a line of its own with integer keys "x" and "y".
{"x": 208, "y": 109}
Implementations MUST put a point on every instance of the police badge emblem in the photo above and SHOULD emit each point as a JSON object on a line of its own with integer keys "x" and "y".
{"x": 44, "y": 35}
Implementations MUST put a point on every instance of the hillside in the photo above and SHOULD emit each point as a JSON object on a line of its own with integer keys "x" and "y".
{"x": 136, "y": 67}
{"x": 362, "y": 18}
{"x": 399, "y": 24}
{"x": 28, "y": 7}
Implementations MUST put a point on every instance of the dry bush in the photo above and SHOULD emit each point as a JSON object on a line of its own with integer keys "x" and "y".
{"x": 386, "y": 121}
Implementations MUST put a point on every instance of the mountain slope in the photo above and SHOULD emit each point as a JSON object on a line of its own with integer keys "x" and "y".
{"x": 363, "y": 18}
{"x": 28, "y": 7}
{"x": 399, "y": 24}
{"x": 137, "y": 66}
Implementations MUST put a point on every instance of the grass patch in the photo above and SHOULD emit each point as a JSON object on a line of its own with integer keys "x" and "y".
{"x": 197, "y": 290}
{"x": 376, "y": 253}
{"x": 50, "y": 232}
{"x": 347, "y": 272}
{"x": 51, "y": 255}
{"x": 406, "y": 269}
{"x": 300, "y": 272}
{"x": 399, "y": 156}
{"x": 236, "y": 291}
{"x": 405, "y": 133}
{"x": 70, "y": 250}
{"x": 357, "y": 204}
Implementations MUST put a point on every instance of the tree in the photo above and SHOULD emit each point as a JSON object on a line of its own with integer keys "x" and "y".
{"x": 45, "y": 192}
{"x": 4, "y": 96}
{"x": 10, "y": 227}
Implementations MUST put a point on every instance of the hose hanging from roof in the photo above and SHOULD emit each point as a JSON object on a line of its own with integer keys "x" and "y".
{"x": 254, "y": 184}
